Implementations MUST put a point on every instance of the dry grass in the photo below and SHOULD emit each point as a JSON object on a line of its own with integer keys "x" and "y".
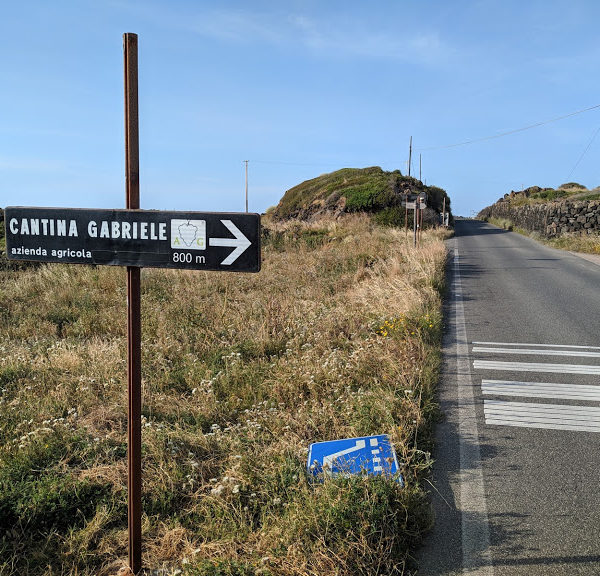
{"x": 586, "y": 243}
{"x": 337, "y": 336}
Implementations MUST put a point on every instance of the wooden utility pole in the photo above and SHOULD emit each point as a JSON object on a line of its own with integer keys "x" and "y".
{"x": 409, "y": 156}
{"x": 246, "y": 162}
{"x": 134, "y": 322}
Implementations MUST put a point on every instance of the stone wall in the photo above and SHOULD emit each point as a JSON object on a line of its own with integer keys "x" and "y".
{"x": 552, "y": 219}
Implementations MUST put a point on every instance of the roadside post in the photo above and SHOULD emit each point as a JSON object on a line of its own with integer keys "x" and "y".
{"x": 134, "y": 322}
{"x": 135, "y": 239}
{"x": 408, "y": 201}
{"x": 421, "y": 204}
{"x": 444, "y": 212}
{"x": 415, "y": 225}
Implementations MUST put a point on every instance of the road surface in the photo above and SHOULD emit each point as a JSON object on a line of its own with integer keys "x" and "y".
{"x": 516, "y": 483}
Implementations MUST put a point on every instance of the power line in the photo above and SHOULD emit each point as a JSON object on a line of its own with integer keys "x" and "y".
{"x": 509, "y": 132}
{"x": 584, "y": 153}
{"x": 457, "y": 144}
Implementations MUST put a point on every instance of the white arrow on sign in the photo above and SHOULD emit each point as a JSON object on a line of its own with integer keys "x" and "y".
{"x": 329, "y": 460}
{"x": 240, "y": 242}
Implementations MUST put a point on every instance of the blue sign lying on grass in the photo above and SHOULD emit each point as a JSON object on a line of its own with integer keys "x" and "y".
{"x": 371, "y": 455}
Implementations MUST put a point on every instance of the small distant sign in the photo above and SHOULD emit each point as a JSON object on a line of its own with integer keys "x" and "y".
{"x": 227, "y": 241}
{"x": 371, "y": 455}
{"x": 410, "y": 205}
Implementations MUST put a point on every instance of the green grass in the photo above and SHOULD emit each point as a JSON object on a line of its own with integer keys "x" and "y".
{"x": 537, "y": 195}
{"x": 370, "y": 190}
{"x": 549, "y": 195}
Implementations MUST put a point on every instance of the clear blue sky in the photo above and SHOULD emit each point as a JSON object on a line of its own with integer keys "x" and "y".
{"x": 299, "y": 88}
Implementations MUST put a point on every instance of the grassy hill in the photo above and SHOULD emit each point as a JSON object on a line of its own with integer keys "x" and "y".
{"x": 337, "y": 336}
{"x": 370, "y": 190}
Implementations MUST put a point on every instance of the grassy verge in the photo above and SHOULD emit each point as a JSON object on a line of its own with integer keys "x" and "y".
{"x": 587, "y": 243}
{"x": 338, "y": 336}
{"x": 503, "y": 223}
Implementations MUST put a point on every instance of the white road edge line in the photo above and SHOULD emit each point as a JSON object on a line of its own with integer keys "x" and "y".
{"x": 535, "y": 345}
{"x": 475, "y": 531}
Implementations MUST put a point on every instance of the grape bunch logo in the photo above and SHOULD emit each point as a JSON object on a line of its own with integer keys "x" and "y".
{"x": 188, "y": 234}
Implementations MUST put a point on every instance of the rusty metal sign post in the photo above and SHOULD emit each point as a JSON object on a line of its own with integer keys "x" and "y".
{"x": 134, "y": 321}
{"x": 196, "y": 242}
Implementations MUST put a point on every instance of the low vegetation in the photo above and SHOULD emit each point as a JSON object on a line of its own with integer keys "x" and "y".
{"x": 537, "y": 195}
{"x": 503, "y": 223}
{"x": 586, "y": 243}
{"x": 337, "y": 336}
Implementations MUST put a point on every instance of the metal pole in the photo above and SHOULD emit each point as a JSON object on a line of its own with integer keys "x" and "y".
{"x": 444, "y": 212}
{"x": 415, "y": 225}
{"x": 409, "y": 156}
{"x": 420, "y": 179}
{"x": 134, "y": 323}
{"x": 246, "y": 161}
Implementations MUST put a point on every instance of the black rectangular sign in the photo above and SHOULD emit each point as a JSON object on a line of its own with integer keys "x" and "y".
{"x": 147, "y": 238}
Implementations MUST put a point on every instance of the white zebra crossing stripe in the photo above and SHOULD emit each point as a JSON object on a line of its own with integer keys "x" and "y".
{"x": 585, "y": 392}
{"x": 544, "y": 426}
{"x": 529, "y": 344}
{"x": 536, "y": 367}
{"x": 530, "y": 414}
{"x": 528, "y": 351}
{"x": 548, "y": 416}
{"x": 543, "y": 409}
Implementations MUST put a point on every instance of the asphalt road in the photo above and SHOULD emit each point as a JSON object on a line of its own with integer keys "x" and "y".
{"x": 516, "y": 483}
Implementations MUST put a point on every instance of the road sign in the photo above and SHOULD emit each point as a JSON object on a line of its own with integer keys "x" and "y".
{"x": 144, "y": 238}
{"x": 410, "y": 205}
{"x": 371, "y": 455}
